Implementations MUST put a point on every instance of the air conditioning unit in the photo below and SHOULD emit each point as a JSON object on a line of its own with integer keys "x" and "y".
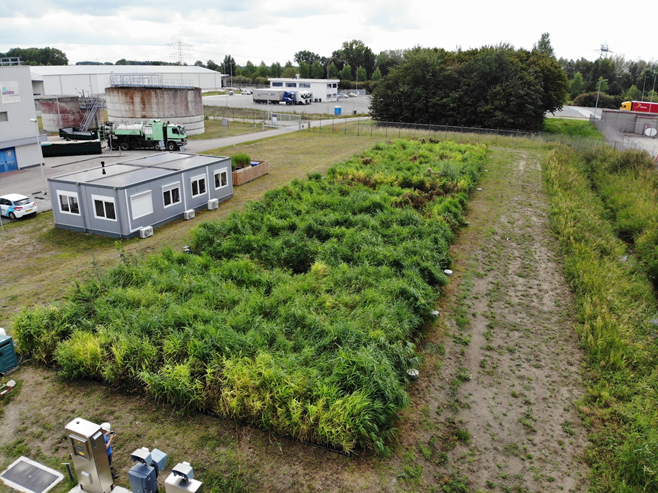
{"x": 213, "y": 204}
{"x": 189, "y": 214}
{"x": 146, "y": 232}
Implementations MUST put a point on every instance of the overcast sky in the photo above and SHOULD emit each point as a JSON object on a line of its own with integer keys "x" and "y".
{"x": 272, "y": 31}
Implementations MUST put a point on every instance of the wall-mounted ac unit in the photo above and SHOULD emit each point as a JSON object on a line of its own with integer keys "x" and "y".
{"x": 189, "y": 214}
{"x": 146, "y": 232}
{"x": 213, "y": 204}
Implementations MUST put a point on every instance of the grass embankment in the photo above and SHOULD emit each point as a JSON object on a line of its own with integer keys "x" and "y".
{"x": 596, "y": 197}
{"x": 215, "y": 130}
{"x": 297, "y": 315}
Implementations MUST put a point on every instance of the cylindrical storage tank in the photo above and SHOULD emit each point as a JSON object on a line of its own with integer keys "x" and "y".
{"x": 62, "y": 112}
{"x": 136, "y": 104}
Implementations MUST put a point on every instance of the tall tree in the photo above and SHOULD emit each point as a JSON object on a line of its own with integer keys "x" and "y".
{"x": 544, "y": 46}
{"x": 304, "y": 70}
{"x": 307, "y": 57}
{"x": 263, "y": 70}
{"x": 576, "y": 86}
{"x": 361, "y": 74}
{"x": 346, "y": 73}
{"x": 228, "y": 66}
{"x": 276, "y": 70}
{"x": 317, "y": 70}
{"x": 213, "y": 66}
{"x": 388, "y": 59}
{"x": 356, "y": 54}
{"x": 332, "y": 71}
{"x": 377, "y": 75}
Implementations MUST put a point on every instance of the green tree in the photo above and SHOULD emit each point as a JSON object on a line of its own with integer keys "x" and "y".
{"x": 289, "y": 71}
{"x": 276, "y": 70}
{"x": 304, "y": 70}
{"x": 317, "y": 70}
{"x": 576, "y": 86}
{"x": 228, "y": 66}
{"x": 346, "y": 73}
{"x": 307, "y": 57}
{"x": 361, "y": 74}
{"x": 249, "y": 70}
{"x": 388, "y": 59}
{"x": 38, "y": 56}
{"x": 213, "y": 66}
{"x": 332, "y": 71}
{"x": 544, "y": 46}
{"x": 356, "y": 54}
{"x": 263, "y": 70}
{"x": 199, "y": 63}
{"x": 602, "y": 85}
{"x": 493, "y": 87}
{"x": 633, "y": 94}
{"x": 377, "y": 75}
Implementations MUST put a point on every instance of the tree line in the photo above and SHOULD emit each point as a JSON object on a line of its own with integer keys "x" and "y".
{"x": 353, "y": 62}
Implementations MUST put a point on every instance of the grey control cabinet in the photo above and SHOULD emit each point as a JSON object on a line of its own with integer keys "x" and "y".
{"x": 89, "y": 455}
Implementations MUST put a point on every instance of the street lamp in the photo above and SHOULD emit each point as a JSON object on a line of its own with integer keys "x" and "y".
{"x": 597, "y": 97}
{"x": 43, "y": 178}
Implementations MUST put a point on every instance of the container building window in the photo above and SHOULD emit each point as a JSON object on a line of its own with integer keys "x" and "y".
{"x": 104, "y": 207}
{"x": 68, "y": 202}
{"x": 171, "y": 194}
{"x": 221, "y": 179}
{"x": 198, "y": 186}
{"x": 291, "y": 84}
{"x": 3, "y": 116}
{"x": 277, "y": 84}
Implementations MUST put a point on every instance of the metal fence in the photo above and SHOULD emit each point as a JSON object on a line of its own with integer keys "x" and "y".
{"x": 148, "y": 80}
{"x": 614, "y": 137}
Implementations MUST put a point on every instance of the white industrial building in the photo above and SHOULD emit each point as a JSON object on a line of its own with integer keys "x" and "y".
{"x": 63, "y": 80}
{"x": 19, "y": 132}
{"x": 322, "y": 89}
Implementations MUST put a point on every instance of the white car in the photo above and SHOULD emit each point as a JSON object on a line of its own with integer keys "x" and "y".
{"x": 15, "y": 205}
{"x": 353, "y": 95}
{"x": 247, "y": 93}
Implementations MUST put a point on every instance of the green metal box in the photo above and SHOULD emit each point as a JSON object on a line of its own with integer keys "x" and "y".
{"x": 8, "y": 358}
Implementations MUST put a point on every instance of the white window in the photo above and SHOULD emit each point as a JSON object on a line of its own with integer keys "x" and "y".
{"x": 328, "y": 96}
{"x": 291, "y": 84}
{"x": 329, "y": 86}
{"x": 305, "y": 84}
{"x": 141, "y": 204}
{"x": 68, "y": 202}
{"x": 104, "y": 207}
{"x": 221, "y": 178}
{"x": 334, "y": 85}
{"x": 277, "y": 84}
{"x": 171, "y": 194}
{"x": 198, "y": 186}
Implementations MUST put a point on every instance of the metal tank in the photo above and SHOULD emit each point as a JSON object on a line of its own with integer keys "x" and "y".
{"x": 183, "y": 106}
{"x": 63, "y": 111}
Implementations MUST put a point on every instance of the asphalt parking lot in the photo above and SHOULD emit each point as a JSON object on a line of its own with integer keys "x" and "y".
{"x": 348, "y": 106}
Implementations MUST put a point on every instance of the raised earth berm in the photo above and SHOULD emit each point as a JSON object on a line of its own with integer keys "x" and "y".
{"x": 250, "y": 173}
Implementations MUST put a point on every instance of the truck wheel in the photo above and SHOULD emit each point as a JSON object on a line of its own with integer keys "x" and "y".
{"x": 171, "y": 146}
{"x": 124, "y": 146}
{"x": 115, "y": 146}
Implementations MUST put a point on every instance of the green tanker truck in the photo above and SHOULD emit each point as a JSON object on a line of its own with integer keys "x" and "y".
{"x": 154, "y": 134}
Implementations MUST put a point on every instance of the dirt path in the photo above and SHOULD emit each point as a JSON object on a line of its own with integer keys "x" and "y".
{"x": 501, "y": 413}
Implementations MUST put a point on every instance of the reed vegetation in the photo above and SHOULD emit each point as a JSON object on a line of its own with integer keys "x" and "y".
{"x": 298, "y": 315}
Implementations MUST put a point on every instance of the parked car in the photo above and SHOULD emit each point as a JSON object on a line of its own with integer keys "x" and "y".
{"x": 247, "y": 93}
{"x": 342, "y": 96}
{"x": 15, "y": 205}
{"x": 353, "y": 95}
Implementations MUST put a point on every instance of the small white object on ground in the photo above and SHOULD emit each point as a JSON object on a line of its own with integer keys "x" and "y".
{"x": 447, "y": 272}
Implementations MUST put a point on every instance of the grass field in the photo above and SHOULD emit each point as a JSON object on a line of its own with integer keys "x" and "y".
{"x": 507, "y": 397}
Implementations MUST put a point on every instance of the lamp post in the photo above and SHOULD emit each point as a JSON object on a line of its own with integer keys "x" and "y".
{"x": 597, "y": 97}
{"x": 43, "y": 178}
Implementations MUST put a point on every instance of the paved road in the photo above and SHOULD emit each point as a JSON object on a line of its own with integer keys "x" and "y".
{"x": 29, "y": 181}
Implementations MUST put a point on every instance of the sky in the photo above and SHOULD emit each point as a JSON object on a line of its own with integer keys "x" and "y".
{"x": 275, "y": 30}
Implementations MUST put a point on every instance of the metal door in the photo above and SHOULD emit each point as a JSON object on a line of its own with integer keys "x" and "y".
{"x": 8, "y": 160}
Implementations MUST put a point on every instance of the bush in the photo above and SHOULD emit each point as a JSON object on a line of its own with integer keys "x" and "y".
{"x": 588, "y": 99}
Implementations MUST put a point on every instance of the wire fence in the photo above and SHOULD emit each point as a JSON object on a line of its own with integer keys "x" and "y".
{"x": 323, "y": 123}
{"x": 614, "y": 137}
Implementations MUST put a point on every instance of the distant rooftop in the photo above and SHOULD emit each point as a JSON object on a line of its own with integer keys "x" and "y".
{"x": 41, "y": 70}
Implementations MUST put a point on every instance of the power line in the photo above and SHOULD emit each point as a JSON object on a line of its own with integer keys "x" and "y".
{"x": 178, "y": 48}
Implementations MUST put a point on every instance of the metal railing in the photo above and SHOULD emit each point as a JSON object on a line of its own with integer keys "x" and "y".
{"x": 148, "y": 80}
